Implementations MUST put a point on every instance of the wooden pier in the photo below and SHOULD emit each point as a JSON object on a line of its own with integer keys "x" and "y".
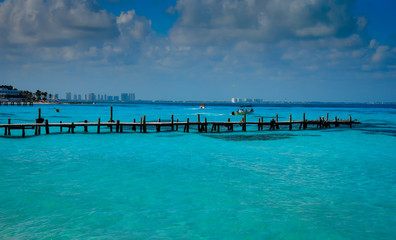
{"x": 201, "y": 126}
{"x": 16, "y": 103}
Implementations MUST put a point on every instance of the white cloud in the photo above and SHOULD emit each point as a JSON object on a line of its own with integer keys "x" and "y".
{"x": 53, "y": 22}
{"x": 218, "y": 22}
{"x": 68, "y": 30}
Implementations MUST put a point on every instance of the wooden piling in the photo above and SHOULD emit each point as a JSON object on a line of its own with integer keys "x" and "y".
{"x": 172, "y": 123}
{"x": 158, "y": 126}
{"x": 60, "y": 127}
{"x": 111, "y": 113}
{"x": 72, "y": 127}
{"x": 304, "y": 123}
{"x": 177, "y": 125}
{"x": 350, "y": 121}
{"x": 98, "y": 125}
{"x": 258, "y": 125}
{"x": 199, "y": 123}
{"x": 187, "y": 125}
{"x": 7, "y": 130}
{"x": 23, "y": 131}
{"x": 206, "y": 125}
{"x": 118, "y": 126}
{"x": 290, "y": 122}
{"x": 244, "y": 123}
{"x": 85, "y": 126}
{"x": 144, "y": 124}
{"x": 46, "y": 127}
{"x": 276, "y": 122}
{"x": 134, "y": 126}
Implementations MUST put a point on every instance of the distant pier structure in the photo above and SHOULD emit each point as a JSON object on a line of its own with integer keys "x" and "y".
{"x": 198, "y": 125}
{"x": 16, "y": 103}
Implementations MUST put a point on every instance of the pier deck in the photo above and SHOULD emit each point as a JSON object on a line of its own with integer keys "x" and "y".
{"x": 155, "y": 126}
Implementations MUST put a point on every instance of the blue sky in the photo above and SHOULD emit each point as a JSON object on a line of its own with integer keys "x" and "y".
{"x": 296, "y": 50}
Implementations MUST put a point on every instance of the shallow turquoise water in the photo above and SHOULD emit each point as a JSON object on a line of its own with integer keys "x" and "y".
{"x": 314, "y": 184}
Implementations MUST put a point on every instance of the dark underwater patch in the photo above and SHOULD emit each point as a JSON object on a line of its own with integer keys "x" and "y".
{"x": 7, "y": 114}
{"x": 388, "y": 132}
{"x": 250, "y": 137}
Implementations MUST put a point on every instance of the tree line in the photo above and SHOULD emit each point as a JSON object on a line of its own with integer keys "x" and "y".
{"x": 28, "y": 95}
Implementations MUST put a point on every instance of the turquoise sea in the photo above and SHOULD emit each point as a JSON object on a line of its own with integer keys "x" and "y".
{"x": 336, "y": 183}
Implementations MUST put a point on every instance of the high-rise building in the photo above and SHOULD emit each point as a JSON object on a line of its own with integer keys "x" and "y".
{"x": 68, "y": 96}
{"x": 124, "y": 97}
{"x": 91, "y": 97}
{"x": 131, "y": 97}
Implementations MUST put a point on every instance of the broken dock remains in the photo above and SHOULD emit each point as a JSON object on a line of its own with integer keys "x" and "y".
{"x": 200, "y": 126}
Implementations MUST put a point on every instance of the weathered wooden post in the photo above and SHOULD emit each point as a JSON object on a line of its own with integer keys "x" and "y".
{"x": 244, "y": 123}
{"x": 172, "y": 123}
{"x": 177, "y": 125}
{"x": 111, "y": 118}
{"x": 72, "y": 127}
{"x": 23, "y": 131}
{"x": 141, "y": 124}
{"x": 118, "y": 126}
{"x": 98, "y": 125}
{"x": 290, "y": 122}
{"x": 85, "y": 126}
{"x": 258, "y": 125}
{"x": 327, "y": 117}
{"x": 188, "y": 125}
{"x": 158, "y": 125}
{"x": 134, "y": 125}
{"x": 111, "y": 113}
{"x": 46, "y": 127}
{"x": 276, "y": 122}
{"x": 350, "y": 121}
{"x": 60, "y": 126}
{"x": 7, "y": 130}
{"x": 39, "y": 113}
{"x": 304, "y": 124}
{"x": 335, "y": 122}
{"x": 206, "y": 125}
{"x": 199, "y": 125}
{"x": 144, "y": 124}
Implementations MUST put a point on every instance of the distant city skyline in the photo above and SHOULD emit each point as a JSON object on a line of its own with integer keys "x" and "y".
{"x": 291, "y": 50}
{"x": 92, "y": 97}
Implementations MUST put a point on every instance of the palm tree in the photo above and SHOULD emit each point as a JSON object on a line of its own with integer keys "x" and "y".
{"x": 38, "y": 95}
{"x": 44, "y": 95}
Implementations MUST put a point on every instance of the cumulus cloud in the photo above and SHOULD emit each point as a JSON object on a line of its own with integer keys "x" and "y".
{"x": 216, "y": 22}
{"x": 132, "y": 25}
{"x": 67, "y": 30}
{"x": 53, "y": 22}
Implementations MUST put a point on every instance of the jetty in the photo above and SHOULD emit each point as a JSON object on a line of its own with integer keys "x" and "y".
{"x": 16, "y": 103}
{"x": 199, "y": 125}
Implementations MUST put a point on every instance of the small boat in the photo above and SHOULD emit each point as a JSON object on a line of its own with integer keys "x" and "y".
{"x": 242, "y": 111}
{"x": 202, "y": 106}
